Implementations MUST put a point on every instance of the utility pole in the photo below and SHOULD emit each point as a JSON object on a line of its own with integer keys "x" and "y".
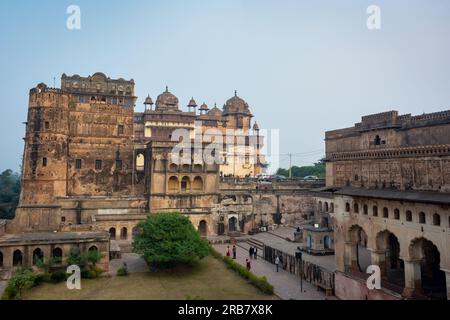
{"x": 290, "y": 165}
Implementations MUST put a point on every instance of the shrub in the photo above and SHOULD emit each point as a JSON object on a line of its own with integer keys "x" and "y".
{"x": 91, "y": 273}
{"x": 58, "y": 276}
{"x": 21, "y": 279}
{"x": 259, "y": 282}
{"x": 167, "y": 239}
{"x": 122, "y": 272}
{"x": 41, "y": 278}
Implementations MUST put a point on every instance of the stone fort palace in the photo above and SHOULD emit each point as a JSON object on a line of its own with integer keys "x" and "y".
{"x": 93, "y": 168}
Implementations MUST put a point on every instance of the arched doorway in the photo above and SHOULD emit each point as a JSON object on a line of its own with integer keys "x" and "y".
{"x": 93, "y": 248}
{"x": 197, "y": 184}
{"x": 360, "y": 257}
{"x": 202, "y": 228}
{"x": 38, "y": 255}
{"x": 388, "y": 251}
{"x": 123, "y": 233}
{"x": 1, "y": 259}
{"x": 17, "y": 258}
{"x": 432, "y": 281}
{"x": 112, "y": 233}
{"x": 221, "y": 229}
{"x": 232, "y": 224}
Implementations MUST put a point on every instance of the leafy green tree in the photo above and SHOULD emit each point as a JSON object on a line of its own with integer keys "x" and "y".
{"x": 168, "y": 239}
{"x": 9, "y": 193}
{"x": 21, "y": 279}
{"x": 92, "y": 257}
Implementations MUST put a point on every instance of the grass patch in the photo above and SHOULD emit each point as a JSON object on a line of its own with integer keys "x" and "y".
{"x": 206, "y": 279}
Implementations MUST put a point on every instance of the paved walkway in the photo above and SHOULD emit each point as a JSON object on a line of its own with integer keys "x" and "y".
{"x": 269, "y": 239}
{"x": 286, "y": 285}
{"x": 135, "y": 263}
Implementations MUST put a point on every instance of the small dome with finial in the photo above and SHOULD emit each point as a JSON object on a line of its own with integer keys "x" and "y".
{"x": 204, "y": 107}
{"x": 192, "y": 103}
{"x": 148, "y": 100}
{"x": 236, "y": 105}
{"x": 255, "y": 126}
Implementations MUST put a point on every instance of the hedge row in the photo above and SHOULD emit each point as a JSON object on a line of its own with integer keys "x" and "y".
{"x": 260, "y": 282}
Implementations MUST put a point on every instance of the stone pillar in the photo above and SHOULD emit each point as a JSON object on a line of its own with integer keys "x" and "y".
{"x": 351, "y": 253}
{"x": 413, "y": 278}
{"x": 447, "y": 278}
{"x": 378, "y": 258}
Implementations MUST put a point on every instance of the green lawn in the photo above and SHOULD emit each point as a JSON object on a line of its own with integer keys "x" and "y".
{"x": 209, "y": 279}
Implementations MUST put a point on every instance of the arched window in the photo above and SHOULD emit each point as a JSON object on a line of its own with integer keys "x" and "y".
{"x": 1, "y": 259}
{"x": 123, "y": 233}
{"x": 356, "y": 208}
{"x": 140, "y": 162}
{"x": 396, "y": 214}
{"x": 38, "y": 255}
{"x": 385, "y": 212}
{"x": 375, "y": 211}
{"x": 332, "y": 207}
{"x": 173, "y": 167}
{"x": 436, "y": 219}
{"x": 93, "y": 248}
{"x": 377, "y": 140}
{"x": 422, "y": 219}
{"x": 326, "y": 206}
{"x": 347, "y": 207}
{"x": 112, "y": 233}
{"x": 366, "y": 209}
{"x": 198, "y": 168}
{"x": 185, "y": 184}
{"x": 408, "y": 215}
{"x": 17, "y": 258}
{"x": 197, "y": 184}
{"x": 57, "y": 254}
{"x": 173, "y": 184}
{"x": 320, "y": 206}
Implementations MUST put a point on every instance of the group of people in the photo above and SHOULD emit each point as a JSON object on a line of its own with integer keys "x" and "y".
{"x": 228, "y": 253}
{"x": 253, "y": 253}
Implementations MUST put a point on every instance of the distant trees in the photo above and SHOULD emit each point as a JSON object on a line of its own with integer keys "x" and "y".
{"x": 318, "y": 169}
{"x": 9, "y": 193}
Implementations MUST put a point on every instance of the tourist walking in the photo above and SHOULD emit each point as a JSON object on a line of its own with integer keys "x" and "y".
{"x": 234, "y": 252}
{"x": 228, "y": 251}
{"x": 255, "y": 253}
{"x": 248, "y": 264}
{"x": 277, "y": 263}
{"x": 250, "y": 252}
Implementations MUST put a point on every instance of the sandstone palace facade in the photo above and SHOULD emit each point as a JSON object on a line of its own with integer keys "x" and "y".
{"x": 93, "y": 168}
{"x": 388, "y": 195}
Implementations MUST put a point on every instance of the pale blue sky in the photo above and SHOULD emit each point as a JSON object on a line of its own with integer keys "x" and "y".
{"x": 303, "y": 66}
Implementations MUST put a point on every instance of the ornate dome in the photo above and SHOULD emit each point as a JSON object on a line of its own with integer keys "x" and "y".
{"x": 236, "y": 105}
{"x": 215, "y": 112}
{"x": 167, "y": 100}
{"x": 255, "y": 126}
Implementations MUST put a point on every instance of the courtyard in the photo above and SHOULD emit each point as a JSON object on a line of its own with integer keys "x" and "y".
{"x": 208, "y": 279}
